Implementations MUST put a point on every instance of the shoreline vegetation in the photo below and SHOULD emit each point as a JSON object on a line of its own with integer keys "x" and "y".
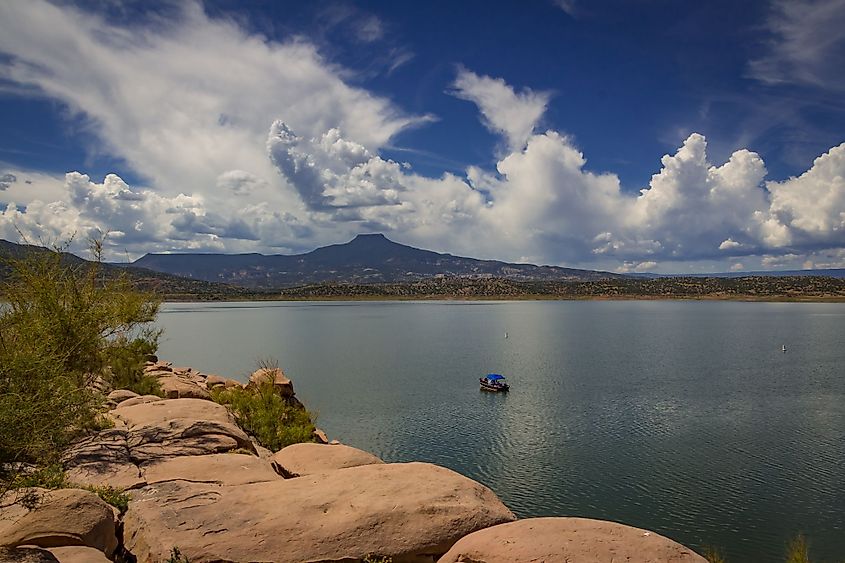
{"x": 757, "y": 288}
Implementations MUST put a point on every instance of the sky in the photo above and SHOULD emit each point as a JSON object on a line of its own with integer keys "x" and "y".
{"x": 631, "y": 136}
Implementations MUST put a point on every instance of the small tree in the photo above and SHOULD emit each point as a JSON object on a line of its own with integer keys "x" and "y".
{"x": 63, "y": 323}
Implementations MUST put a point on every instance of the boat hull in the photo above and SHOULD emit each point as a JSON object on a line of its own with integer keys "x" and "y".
{"x": 500, "y": 388}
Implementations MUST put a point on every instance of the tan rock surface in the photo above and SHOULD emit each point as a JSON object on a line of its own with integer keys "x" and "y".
{"x": 281, "y": 383}
{"x": 411, "y": 512}
{"x": 306, "y": 459}
{"x": 176, "y": 427}
{"x": 102, "y": 459}
{"x": 567, "y": 539}
{"x": 142, "y": 400}
{"x": 78, "y": 555}
{"x": 65, "y": 517}
{"x": 178, "y": 387}
{"x": 120, "y": 395}
{"x": 223, "y": 469}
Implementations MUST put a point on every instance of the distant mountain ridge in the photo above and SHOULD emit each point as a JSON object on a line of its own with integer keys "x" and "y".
{"x": 371, "y": 258}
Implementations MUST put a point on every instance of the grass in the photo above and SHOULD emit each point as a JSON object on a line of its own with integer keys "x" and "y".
{"x": 274, "y": 421}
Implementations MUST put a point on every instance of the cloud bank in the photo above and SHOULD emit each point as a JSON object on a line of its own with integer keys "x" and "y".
{"x": 248, "y": 144}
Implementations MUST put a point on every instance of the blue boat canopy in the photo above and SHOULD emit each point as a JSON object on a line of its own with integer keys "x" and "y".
{"x": 494, "y": 377}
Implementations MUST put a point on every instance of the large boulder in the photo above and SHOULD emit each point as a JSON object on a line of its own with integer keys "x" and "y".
{"x": 79, "y": 554}
{"x": 567, "y": 539}
{"x": 410, "y": 512}
{"x": 282, "y": 385}
{"x": 142, "y": 400}
{"x": 176, "y": 427}
{"x": 65, "y": 517}
{"x": 223, "y": 469}
{"x": 305, "y": 459}
{"x": 102, "y": 459}
{"x": 120, "y": 395}
{"x": 180, "y": 387}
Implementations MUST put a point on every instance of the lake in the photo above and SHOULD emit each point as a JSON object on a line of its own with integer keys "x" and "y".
{"x": 682, "y": 417}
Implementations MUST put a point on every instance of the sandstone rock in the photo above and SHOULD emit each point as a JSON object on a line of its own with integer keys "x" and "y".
{"x": 306, "y": 459}
{"x": 320, "y": 436}
{"x": 231, "y": 384}
{"x": 102, "y": 459}
{"x": 411, "y": 512}
{"x": 177, "y": 387}
{"x": 213, "y": 381}
{"x": 567, "y": 539}
{"x": 176, "y": 427}
{"x": 120, "y": 395}
{"x": 223, "y": 469}
{"x": 159, "y": 366}
{"x": 66, "y": 517}
{"x": 143, "y": 399}
{"x": 281, "y": 384}
{"x": 27, "y": 555}
{"x": 78, "y": 555}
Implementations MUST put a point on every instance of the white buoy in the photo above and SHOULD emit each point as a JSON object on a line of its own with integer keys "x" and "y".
{"x": 783, "y": 348}
{"x": 506, "y": 335}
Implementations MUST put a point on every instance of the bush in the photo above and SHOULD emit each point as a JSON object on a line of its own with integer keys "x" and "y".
{"x": 115, "y": 497}
{"x": 798, "y": 551}
{"x": 64, "y": 322}
{"x": 261, "y": 412}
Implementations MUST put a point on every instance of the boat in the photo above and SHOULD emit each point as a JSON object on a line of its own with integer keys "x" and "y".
{"x": 493, "y": 382}
{"x": 783, "y": 348}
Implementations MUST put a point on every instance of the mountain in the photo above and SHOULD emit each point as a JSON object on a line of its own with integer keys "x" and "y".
{"x": 165, "y": 285}
{"x": 366, "y": 259}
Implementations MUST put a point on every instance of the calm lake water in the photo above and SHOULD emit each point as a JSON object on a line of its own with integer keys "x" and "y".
{"x": 682, "y": 417}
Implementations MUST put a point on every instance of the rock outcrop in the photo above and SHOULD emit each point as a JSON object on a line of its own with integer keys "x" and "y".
{"x": 407, "y": 511}
{"x": 567, "y": 539}
{"x": 198, "y": 482}
{"x": 176, "y": 427}
{"x": 65, "y": 517}
{"x": 306, "y": 459}
{"x": 228, "y": 469}
{"x": 281, "y": 383}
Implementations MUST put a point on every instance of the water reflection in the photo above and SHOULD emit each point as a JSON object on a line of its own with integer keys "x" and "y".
{"x": 685, "y": 418}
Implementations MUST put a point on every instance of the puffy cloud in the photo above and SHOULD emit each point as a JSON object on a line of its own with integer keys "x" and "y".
{"x": 187, "y": 101}
{"x": 812, "y": 206}
{"x": 7, "y": 180}
{"x": 140, "y": 220}
{"x": 507, "y": 112}
{"x": 172, "y": 102}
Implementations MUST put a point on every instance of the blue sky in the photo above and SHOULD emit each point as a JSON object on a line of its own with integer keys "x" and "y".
{"x": 528, "y": 131}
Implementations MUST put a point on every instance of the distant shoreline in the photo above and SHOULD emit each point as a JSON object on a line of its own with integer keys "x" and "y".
{"x": 512, "y": 298}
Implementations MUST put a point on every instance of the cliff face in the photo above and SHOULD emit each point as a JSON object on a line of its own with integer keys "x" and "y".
{"x": 198, "y": 483}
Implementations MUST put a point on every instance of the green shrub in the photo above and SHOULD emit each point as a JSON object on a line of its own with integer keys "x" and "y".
{"x": 798, "y": 550}
{"x": 125, "y": 360}
{"x": 713, "y": 555}
{"x": 261, "y": 412}
{"x": 63, "y": 323}
{"x": 113, "y": 496}
{"x": 177, "y": 557}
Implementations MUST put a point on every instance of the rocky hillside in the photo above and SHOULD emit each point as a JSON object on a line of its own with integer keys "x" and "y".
{"x": 165, "y": 285}
{"x": 751, "y": 288}
{"x": 201, "y": 490}
{"x": 366, "y": 259}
